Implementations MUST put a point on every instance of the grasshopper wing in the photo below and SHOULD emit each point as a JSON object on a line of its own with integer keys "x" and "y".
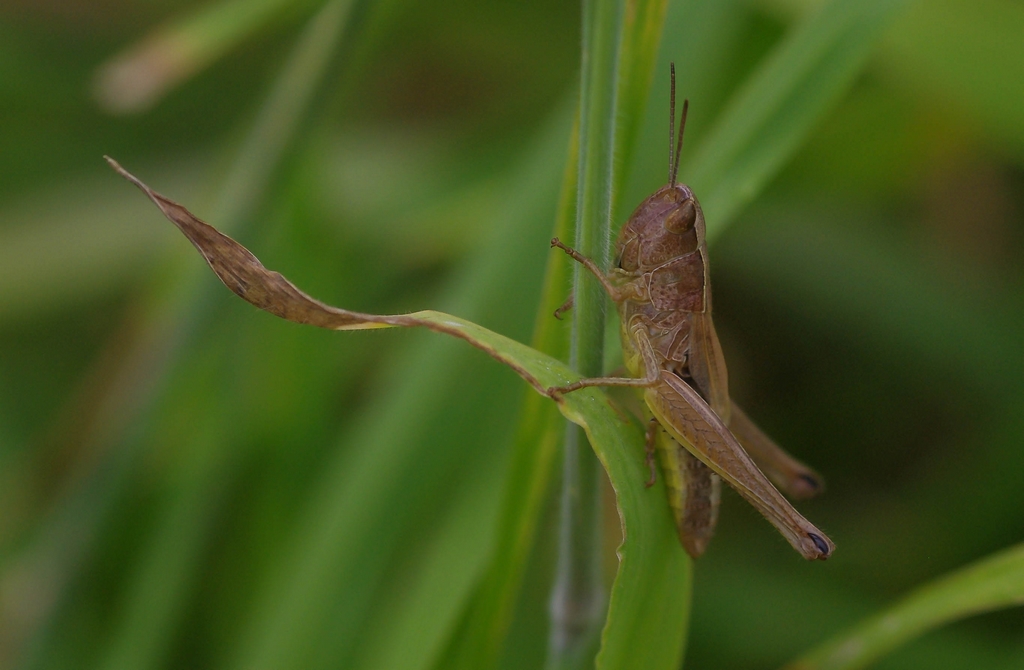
{"x": 707, "y": 364}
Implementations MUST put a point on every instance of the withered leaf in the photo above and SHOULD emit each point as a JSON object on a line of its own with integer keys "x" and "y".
{"x": 246, "y": 276}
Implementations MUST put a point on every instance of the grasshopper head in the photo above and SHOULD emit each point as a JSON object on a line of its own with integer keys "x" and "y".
{"x": 667, "y": 225}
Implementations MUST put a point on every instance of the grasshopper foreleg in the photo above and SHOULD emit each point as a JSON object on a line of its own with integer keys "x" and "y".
{"x": 614, "y": 292}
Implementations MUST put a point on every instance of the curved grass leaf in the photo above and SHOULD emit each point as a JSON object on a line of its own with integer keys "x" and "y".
{"x": 990, "y": 584}
{"x": 658, "y": 566}
{"x": 242, "y": 272}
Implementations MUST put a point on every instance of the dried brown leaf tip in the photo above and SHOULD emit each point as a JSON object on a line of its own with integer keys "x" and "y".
{"x": 246, "y": 276}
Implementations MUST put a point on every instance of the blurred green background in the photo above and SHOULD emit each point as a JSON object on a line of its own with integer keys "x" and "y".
{"x": 188, "y": 482}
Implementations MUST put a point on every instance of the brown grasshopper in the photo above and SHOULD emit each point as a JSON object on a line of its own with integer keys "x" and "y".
{"x": 661, "y": 287}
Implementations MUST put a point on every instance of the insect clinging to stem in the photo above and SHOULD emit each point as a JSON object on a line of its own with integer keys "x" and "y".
{"x": 661, "y": 287}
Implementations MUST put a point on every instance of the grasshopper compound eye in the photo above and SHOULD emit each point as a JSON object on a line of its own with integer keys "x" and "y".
{"x": 628, "y": 258}
{"x": 682, "y": 219}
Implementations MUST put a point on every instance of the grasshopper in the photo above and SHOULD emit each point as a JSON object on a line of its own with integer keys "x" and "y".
{"x": 661, "y": 287}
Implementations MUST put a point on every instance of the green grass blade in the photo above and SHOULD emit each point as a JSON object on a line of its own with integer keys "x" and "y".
{"x": 649, "y": 605}
{"x": 779, "y": 105}
{"x": 137, "y": 78}
{"x": 145, "y": 357}
{"x": 527, "y": 486}
{"x": 537, "y": 442}
{"x": 965, "y": 52}
{"x": 578, "y": 597}
{"x": 641, "y": 37}
{"x": 990, "y": 584}
{"x": 372, "y": 499}
{"x": 959, "y": 53}
{"x": 423, "y": 613}
{"x": 653, "y": 561}
{"x": 168, "y": 573}
{"x": 531, "y": 472}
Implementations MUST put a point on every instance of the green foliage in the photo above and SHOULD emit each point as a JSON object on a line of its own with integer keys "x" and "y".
{"x": 989, "y": 584}
{"x": 186, "y": 482}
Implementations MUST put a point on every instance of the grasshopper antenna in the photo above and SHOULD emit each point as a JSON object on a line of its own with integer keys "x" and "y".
{"x": 673, "y": 158}
{"x": 672, "y": 125}
{"x": 679, "y": 140}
